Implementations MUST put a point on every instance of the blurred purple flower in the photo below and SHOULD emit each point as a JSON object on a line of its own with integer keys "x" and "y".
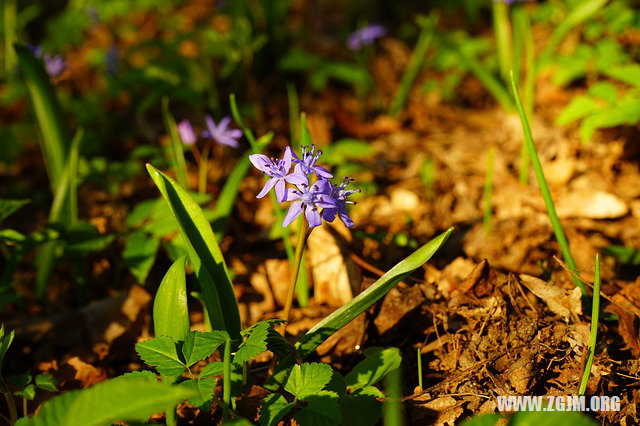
{"x": 185, "y": 130}
{"x": 111, "y": 60}
{"x": 339, "y": 194}
{"x": 278, "y": 171}
{"x": 365, "y": 36}
{"x": 308, "y": 163}
{"x": 221, "y": 133}
{"x": 55, "y": 65}
{"x": 308, "y": 200}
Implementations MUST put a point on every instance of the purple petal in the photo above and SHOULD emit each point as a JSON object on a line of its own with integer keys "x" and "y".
{"x": 329, "y": 214}
{"x": 211, "y": 125}
{"x": 287, "y": 159}
{"x": 322, "y": 186}
{"x": 325, "y": 201}
{"x": 206, "y": 134}
{"x": 185, "y": 130}
{"x": 234, "y": 133}
{"x": 294, "y": 212}
{"x": 267, "y": 187}
{"x": 224, "y": 140}
{"x": 344, "y": 217}
{"x": 313, "y": 217}
{"x": 260, "y": 162}
{"x": 321, "y": 172}
{"x": 297, "y": 179}
{"x": 280, "y": 190}
{"x": 224, "y": 123}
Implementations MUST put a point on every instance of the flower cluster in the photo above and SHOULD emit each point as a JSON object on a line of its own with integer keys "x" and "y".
{"x": 55, "y": 65}
{"x": 365, "y": 36}
{"x": 220, "y": 133}
{"x": 318, "y": 199}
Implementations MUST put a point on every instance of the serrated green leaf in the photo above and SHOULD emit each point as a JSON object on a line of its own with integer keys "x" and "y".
{"x": 150, "y": 376}
{"x": 161, "y": 353}
{"x": 107, "y": 402}
{"x": 139, "y": 253}
{"x": 205, "y": 388}
{"x": 8, "y": 207}
{"x": 204, "y": 253}
{"x": 277, "y": 344}
{"x": 217, "y": 369}
{"x": 170, "y": 310}
{"x": 274, "y": 408}
{"x": 255, "y": 344}
{"x": 341, "y": 317}
{"x": 323, "y": 410}
{"x": 199, "y": 345}
{"x": 361, "y": 407}
{"x": 373, "y": 368}
{"x": 28, "y": 392}
{"x": 579, "y": 107}
{"x": 308, "y": 379}
{"x": 47, "y": 382}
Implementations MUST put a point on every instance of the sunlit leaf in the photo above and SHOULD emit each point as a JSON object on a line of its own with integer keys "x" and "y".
{"x": 170, "y": 310}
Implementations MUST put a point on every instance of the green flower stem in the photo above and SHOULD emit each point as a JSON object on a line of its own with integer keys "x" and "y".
{"x": 415, "y": 63}
{"x": 303, "y": 233}
{"x": 419, "y": 368}
{"x": 544, "y": 189}
{"x": 488, "y": 191}
{"x": 226, "y": 380}
{"x": 595, "y": 311}
{"x": 203, "y": 164}
{"x": 502, "y": 31}
{"x": 176, "y": 149}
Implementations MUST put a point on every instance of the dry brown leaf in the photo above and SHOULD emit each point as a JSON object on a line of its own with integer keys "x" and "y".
{"x": 558, "y": 300}
{"x": 591, "y": 204}
{"x": 86, "y": 373}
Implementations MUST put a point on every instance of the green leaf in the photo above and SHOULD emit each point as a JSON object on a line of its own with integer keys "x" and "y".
{"x": 628, "y": 73}
{"x": 9, "y": 207}
{"x": 139, "y": 253}
{"x": 204, "y": 387}
{"x": 198, "y": 345}
{"x": 5, "y": 342}
{"x": 604, "y": 90}
{"x": 47, "y": 382}
{"x": 217, "y": 369}
{"x": 170, "y": 310}
{"x": 274, "y": 408}
{"x": 255, "y": 344}
{"x": 624, "y": 255}
{"x": 308, "y": 379}
{"x": 83, "y": 238}
{"x": 204, "y": 253}
{"x": 147, "y": 375}
{"x": 160, "y": 352}
{"x": 579, "y": 107}
{"x": 20, "y": 380}
{"x": 341, "y": 317}
{"x": 28, "y": 392}
{"x": 361, "y": 407}
{"x": 114, "y": 400}
{"x": 373, "y": 368}
{"x": 551, "y": 418}
{"x": 323, "y": 410}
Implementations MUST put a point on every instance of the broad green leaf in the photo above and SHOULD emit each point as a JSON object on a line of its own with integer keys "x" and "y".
{"x": 373, "y": 368}
{"x": 361, "y": 407}
{"x": 308, "y": 379}
{"x": 5, "y": 342}
{"x": 199, "y": 345}
{"x": 139, "y": 253}
{"x": 551, "y": 418}
{"x": 323, "y": 410}
{"x": 84, "y": 238}
{"x": 274, "y": 408}
{"x": 204, "y": 253}
{"x": 255, "y": 344}
{"x": 55, "y": 135}
{"x": 160, "y": 352}
{"x": 341, "y": 317}
{"x": 28, "y": 392}
{"x": 46, "y": 382}
{"x": 277, "y": 344}
{"x": 604, "y": 90}
{"x": 170, "y": 310}
{"x": 628, "y": 73}
{"x": 107, "y": 402}
{"x": 579, "y": 107}
{"x": 8, "y": 207}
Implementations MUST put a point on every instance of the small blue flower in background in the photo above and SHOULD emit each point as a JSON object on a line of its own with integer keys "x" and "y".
{"x": 278, "y": 171}
{"x": 185, "y": 130}
{"x": 55, "y": 65}
{"x": 318, "y": 200}
{"x": 365, "y": 36}
{"x": 221, "y": 132}
{"x": 308, "y": 200}
{"x": 308, "y": 163}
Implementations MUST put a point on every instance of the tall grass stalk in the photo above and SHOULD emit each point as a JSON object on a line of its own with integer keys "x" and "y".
{"x": 502, "y": 33}
{"x": 392, "y": 406}
{"x": 595, "y": 311}
{"x": 544, "y": 188}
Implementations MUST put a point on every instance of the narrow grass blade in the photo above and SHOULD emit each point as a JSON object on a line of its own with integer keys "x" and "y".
{"x": 63, "y": 210}
{"x": 544, "y": 188}
{"x": 277, "y": 210}
{"x": 580, "y": 13}
{"x": 502, "y": 33}
{"x": 341, "y": 317}
{"x": 595, "y": 311}
{"x": 204, "y": 254}
{"x": 170, "y": 311}
{"x": 54, "y": 134}
{"x": 392, "y": 407}
{"x": 488, "y": 191}
{"x": 415, "y": 63}
{"x": 9, "y": 22}
{"x": 177, "y": 152}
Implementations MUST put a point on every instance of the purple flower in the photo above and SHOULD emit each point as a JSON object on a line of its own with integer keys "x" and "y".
{"x": 187, "y": 135}
{"x": 111, "y": 60}
{"x": 55, "y": 65}
{"x": 308, "y": 163}
{"x": 309, "y": 200}
{"x": 221, "y": 133}
{"x": 278, "y": 172}
{"x": 365, "y": 36}
{"x": 339, "y": 194}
